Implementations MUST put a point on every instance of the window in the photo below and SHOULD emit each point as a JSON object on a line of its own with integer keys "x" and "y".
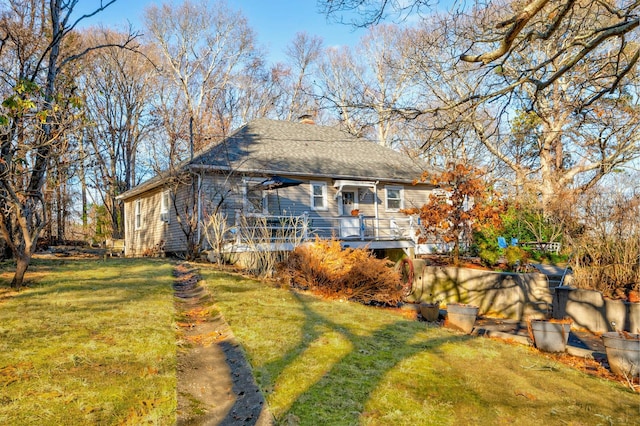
{"x": 394, "y": 198}
{"x": 319, "y": 196}
{"x": 165, "y": 202}
{"x": 138, "y": 214}
{"x": 255, "y": 198}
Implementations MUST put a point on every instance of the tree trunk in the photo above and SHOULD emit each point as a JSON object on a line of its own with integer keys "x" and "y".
{"x": 22, "y": 263}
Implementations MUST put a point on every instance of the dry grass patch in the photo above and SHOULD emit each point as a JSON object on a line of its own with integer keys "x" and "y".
{"x": 342, "y": 363}
{"x": 89, "y": 342}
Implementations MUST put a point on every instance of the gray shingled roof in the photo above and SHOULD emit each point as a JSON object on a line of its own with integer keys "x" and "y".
{"x": 281, "y": 147}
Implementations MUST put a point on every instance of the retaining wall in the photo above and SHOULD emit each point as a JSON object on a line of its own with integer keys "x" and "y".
{"x": 590, "y": 310}
{"x": 517, "y": 296}
{"x": 522, "y": 296}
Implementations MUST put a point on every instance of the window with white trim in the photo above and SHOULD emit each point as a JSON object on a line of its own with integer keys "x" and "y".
{"x": 319, "y": 196}
{"x": 165, "y": 202}
{"x": 137, "y": 214}
{"x": 254, "y": 196}
{"x": 393, "y": 198}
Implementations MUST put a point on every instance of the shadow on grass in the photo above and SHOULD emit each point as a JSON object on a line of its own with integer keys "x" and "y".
{"x": 371, "y": 358}
{"x": 117, "y": 281}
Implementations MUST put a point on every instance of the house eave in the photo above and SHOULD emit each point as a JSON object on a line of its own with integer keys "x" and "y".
{"x": 335, "y": 177}
{"x": 195, "y": 168}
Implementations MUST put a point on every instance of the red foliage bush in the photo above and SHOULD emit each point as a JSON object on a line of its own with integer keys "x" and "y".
{"x": 355, "y": 274}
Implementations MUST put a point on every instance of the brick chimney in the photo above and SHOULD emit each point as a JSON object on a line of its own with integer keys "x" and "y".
{"x": 306, "y": 119}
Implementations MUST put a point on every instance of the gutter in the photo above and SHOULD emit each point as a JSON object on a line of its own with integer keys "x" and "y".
{"x": 203, "y": 167}
{"x": 198, "y": 227}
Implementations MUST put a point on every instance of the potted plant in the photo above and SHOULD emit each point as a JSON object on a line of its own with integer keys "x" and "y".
{"x": 430, "y": 311}
{"x": 623, "y": 352}
{"x": 550, "y": 335}
{"x": 461, "y": 316}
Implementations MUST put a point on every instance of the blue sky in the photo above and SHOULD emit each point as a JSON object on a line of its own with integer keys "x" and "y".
{"x": 275, "y": 21}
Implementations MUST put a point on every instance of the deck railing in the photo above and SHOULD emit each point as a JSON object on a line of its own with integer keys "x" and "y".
{"x": 295, "y": 229}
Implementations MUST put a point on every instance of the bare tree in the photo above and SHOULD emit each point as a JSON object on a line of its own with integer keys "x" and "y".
{"x": 581, "y": 114}
{"x": 117, "y": 87}
{"x": 202, "y": 45}
{"x": 36, "y": 53}
{"x": 254, "y": 93}
{"x": 507, "y": 27}
{"x": 369, "y": 86}
{"x": 295, "y": 78}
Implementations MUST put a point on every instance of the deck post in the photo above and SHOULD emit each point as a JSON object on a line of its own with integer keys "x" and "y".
{"x": 305, "y": 226}
{"x": 238, "y": 224}
{"x": 361, "y": 217}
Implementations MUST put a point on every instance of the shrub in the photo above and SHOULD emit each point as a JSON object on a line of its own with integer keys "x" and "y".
{"x": 489, "y": 256}
{"x": 486, "y": 246}
{"x": 606, "y": 254}
{"x": 515, "y": 256}
{"x": 355, "y": 274}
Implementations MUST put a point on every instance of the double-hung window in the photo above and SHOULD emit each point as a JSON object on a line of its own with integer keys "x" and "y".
{"x": 319, "y": 196}
{"x": 138, "y": 214}
{"x": 394, "y": 198}
{"x": 255, "y": 197}
{"x": 165, "y": 202}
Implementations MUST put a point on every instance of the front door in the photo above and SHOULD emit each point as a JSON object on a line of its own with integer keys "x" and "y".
{"x": 349, "y": 223}
{"x": 349, "y": 202}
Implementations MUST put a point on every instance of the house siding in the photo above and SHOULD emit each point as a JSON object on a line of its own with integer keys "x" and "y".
{"x": 227, "y": 192}
{"x": 152, "y": 230}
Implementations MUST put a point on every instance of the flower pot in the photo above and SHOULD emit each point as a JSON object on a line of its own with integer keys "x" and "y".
{"x": 623, "y": 353}
{"x": 461, "y": 316}
{"x": 430, "y": 311}
{"x": 550, "y": 336}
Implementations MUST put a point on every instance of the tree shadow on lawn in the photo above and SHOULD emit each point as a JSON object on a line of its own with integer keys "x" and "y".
{"x": 117, "y": 283}
{"x": 345, "y": 388}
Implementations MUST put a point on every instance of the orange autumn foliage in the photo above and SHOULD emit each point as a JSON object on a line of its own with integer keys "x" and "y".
{"x": 324, "y": 267}
{"x": 453, "y": 217}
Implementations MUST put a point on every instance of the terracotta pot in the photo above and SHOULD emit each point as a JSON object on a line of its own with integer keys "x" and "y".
{"x": 623, "y": 353}
{"x": 461, "y": 317}
{"x": 550, "y": 336}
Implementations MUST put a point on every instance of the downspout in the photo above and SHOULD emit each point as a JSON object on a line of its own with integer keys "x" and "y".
{"x": 375, "y": 204}
{"x": 198, "y": 230}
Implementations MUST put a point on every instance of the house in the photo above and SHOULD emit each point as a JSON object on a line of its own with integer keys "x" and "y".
{"x": 277, "y": 177}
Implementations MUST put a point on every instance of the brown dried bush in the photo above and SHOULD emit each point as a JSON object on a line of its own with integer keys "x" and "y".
{"x": 354, "y": 274}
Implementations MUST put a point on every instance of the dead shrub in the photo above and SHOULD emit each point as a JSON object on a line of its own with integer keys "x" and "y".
{"x": 354, "y": 274}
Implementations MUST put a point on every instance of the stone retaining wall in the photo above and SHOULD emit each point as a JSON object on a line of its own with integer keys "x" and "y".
{"x": 522, "y": 296}
{"x": 590, "y": 310}
{"x": 517, "y": 296}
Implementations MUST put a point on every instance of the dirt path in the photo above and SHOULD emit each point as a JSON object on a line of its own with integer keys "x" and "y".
{"x": 215, "y": 382}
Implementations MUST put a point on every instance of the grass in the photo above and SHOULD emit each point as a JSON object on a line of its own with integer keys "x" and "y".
{"x": 93, "y": 342}
{"x": 341, "y": 363}
{"x": 89, "y": 342}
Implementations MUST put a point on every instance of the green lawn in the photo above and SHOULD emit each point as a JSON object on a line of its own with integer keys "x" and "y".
{"x": 90, "y": 342}
{"x": 93, "y": 342}
{"x": 341, "y": 363}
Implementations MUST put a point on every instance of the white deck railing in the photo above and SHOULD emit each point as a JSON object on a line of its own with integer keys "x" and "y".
{"x": 292, "y": 229}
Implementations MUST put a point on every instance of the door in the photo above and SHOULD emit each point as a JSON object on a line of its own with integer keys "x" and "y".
{"x": 348, "y": 202}
{"x": 349, "y": 223}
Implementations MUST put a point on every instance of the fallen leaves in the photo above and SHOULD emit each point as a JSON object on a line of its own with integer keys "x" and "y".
{"x": 206, "y": 339}
{"x": 527, "y": 395}
{"x": 13, "y": 373}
